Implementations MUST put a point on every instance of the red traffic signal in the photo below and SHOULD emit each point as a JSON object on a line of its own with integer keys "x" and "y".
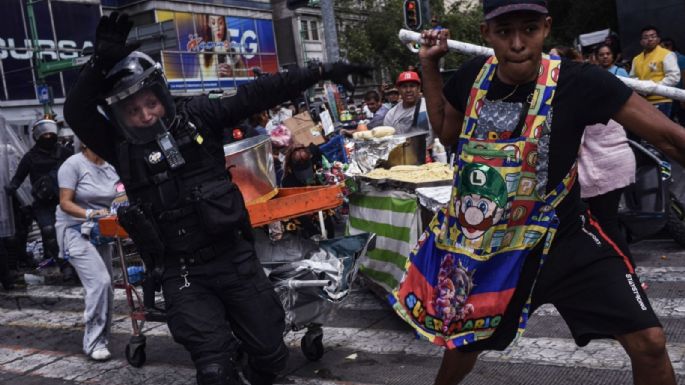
{"x": 412, "y": 14}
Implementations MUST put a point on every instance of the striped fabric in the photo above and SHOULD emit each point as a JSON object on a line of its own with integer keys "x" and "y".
{"x": 394, "y": 217}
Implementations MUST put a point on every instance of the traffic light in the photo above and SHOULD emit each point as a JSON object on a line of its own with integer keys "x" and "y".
{"x": 412, "y": 14}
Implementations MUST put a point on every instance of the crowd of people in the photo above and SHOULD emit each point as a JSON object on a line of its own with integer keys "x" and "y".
{"x": 192, "y": 229}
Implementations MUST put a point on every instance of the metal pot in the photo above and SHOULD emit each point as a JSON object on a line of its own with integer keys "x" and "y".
{"x": 252, "y": 168}
{"x": 411, "y": 152}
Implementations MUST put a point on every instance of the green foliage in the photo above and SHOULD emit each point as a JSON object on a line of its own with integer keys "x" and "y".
{"x": 464, "y": 26}
{"x": 375, "y": 41}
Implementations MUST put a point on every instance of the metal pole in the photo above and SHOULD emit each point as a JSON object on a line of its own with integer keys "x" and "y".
{"x": 329, "y": 31}
{"x": 37, "y": 57}
{"x": 643, "y": 86}
{"x": 426, "y": 8}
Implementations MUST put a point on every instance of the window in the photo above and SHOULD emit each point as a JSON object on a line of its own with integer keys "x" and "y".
{"x": 304, "y": 29}
{"x": 309, "y": 30}
{"x": 314, "y": 30}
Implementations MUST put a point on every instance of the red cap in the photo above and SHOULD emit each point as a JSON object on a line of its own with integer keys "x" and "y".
{"x": 408, "y": 76}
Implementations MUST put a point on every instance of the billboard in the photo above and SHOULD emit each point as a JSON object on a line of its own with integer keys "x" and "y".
{"x": 217, "y": 52}
{"x": 64, "y": 29}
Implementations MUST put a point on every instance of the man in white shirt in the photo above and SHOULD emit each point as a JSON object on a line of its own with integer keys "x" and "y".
{"x": 410, "y": 114}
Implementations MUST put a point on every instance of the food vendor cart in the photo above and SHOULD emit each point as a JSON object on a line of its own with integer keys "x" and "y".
{"x": 386, "y": 202}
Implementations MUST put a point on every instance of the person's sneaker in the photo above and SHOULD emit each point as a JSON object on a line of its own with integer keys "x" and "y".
{"x": 101, "y": 354}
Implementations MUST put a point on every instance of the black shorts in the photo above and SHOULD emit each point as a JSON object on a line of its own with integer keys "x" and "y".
{"x": 593, "y": 285}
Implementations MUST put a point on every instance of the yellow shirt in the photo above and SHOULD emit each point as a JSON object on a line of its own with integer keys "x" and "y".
{"x": 650, "y": 66}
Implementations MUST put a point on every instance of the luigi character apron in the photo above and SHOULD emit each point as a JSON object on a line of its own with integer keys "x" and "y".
{"x": 465, "y": 269}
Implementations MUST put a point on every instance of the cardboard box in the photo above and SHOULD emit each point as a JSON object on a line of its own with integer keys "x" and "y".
{"x": 304, "y": 130}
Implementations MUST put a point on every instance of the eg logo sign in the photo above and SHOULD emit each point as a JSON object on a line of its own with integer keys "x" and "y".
{"x": 245, "y": 44}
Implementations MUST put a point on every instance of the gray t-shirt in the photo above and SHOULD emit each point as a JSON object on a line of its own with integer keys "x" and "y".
{"x": 401, "y": 118}
{"x": 94, "y": 185}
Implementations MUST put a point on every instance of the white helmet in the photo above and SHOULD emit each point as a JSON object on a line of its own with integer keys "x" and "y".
{"x": 43, "y": 126}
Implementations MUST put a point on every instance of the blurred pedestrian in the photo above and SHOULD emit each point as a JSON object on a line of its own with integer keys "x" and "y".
{"x": 40, "y": 164}
{"x": 377, "y": 109}
{"x": 656, "y": 64}
{"x": 606, "y": 59}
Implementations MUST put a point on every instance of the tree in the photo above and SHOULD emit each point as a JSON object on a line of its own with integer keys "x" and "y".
{"x": 375, "y": 40}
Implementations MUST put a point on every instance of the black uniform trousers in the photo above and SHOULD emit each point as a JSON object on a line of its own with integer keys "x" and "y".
{"x": 44, "y": 213}
{"x": 228, "y": 296}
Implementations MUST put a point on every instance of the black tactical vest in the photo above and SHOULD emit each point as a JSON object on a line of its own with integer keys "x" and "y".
{"x": 186, "y": 202}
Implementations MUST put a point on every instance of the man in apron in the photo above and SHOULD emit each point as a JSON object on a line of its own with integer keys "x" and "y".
{"x": 516, "y": 234}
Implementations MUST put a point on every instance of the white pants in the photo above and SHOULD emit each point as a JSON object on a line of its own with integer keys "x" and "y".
{"x": 94, "y": 268}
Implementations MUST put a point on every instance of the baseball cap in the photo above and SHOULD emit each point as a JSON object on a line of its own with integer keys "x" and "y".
{"x": 392, "y": 90}
{"x": 494, "y": 8}
{"x": 408, "y": 76}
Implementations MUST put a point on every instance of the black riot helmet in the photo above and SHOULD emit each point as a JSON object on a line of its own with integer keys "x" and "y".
{"x": 138, "y": 99}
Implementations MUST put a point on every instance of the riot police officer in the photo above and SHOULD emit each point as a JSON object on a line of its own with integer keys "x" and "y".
{"x": 185, "y": 215}
{"x": 41, "y": 163}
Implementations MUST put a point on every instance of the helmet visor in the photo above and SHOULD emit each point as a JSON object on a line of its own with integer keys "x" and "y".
{"x": 145, "y": 113}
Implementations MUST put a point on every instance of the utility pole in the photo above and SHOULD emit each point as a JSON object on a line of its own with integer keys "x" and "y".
{"x": 329, "y": 31}
{"x": 426, "y": 9}
{"x": 43, "y": 69}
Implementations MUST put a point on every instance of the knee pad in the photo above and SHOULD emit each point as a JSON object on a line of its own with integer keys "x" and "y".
{"x": 216, "y": 373}
{"x": 275, "y": 361}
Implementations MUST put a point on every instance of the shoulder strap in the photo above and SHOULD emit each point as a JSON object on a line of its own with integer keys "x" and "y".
{"x": 417, "y": 109}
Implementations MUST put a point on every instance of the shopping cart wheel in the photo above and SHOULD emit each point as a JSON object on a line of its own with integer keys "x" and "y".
{"x": 312, "y": 344}
{"x": 135, "y": 351}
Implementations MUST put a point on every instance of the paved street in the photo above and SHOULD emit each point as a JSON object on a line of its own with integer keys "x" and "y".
{"x": 365, "y": 343}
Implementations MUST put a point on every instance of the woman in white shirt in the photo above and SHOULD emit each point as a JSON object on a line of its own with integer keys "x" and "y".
{"x": 87, "y": 187}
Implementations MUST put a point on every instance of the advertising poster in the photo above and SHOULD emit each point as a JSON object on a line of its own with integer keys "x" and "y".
{"x": 216, "y": 51}
{"x": 64, "y": 29}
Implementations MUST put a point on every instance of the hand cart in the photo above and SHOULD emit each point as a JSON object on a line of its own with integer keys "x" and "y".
{"x": 288, "y": 203}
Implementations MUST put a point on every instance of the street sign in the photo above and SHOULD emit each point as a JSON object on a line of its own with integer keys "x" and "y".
{"x": 44, "y": 94}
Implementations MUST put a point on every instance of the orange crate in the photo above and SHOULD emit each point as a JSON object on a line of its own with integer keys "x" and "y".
{"x": 109, "y": 227}
{"x": 293, "y": 202}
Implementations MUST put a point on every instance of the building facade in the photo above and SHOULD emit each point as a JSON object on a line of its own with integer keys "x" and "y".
{"x": 203, "y": 45}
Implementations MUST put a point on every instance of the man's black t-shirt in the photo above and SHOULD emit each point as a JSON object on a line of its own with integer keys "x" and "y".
{"x": 585, "y": 95}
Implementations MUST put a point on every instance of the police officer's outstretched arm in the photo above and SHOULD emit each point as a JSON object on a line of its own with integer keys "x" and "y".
{"x": 80, "y": 107}
{"x": 268, "y": 91}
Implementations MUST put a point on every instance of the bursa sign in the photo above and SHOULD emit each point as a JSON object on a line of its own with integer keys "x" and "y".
{"x": 64, "y": 30}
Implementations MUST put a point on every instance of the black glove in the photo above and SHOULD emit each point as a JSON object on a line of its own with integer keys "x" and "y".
{"x": 110, "y": 40}
{"x": 339, "y": 72}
